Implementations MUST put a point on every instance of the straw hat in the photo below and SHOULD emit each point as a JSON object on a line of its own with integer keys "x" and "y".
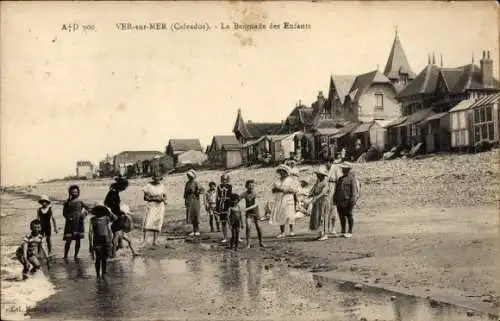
{"x": 284, "y": 168}
{"x": 191, "y": 173}
{"x": 321, "y": 171}
{"x": 346, "y": 165}
{"x": 100, "y": 208}
{"x": 294, "y": 172}
{"x": 44, "y": 199}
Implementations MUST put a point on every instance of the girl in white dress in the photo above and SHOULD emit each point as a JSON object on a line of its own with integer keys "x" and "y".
{"x": 284, "y": 190}
{"x": 156, "y": 199}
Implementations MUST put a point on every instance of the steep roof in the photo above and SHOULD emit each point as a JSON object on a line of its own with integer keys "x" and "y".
{"x": 304, "y": 114}
{"x": 343, "y": 84}
{"x": 184, "y": 145}
{"x": 458, "y": 80}
{"x": 364, "y": 81}
{"x": 262, "y": 129}
{"x": 253, "y": 130}
{"x": 397, "y": 62}
{"x": 424, "y": 83}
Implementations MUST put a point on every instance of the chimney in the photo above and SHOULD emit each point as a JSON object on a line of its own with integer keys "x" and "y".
{"x": 486, "y": 69}
{"x": 428, "y": 59}
{"x": 433, "y": 58}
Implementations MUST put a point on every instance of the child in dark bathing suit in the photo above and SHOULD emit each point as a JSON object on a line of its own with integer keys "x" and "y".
{"x": 235, "y": 221}
{"x": 100, "y": 237}
{"x": 45, "y": 217}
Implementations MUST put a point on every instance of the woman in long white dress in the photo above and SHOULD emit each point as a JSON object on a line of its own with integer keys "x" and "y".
{"x": 156, "y": 199}
{"x": 284, "y": 190}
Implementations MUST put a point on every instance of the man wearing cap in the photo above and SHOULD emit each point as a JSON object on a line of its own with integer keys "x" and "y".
{"x": 345, "y": 197}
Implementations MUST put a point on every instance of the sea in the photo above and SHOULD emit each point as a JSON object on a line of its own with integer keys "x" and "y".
{"x": 18, "y": 295}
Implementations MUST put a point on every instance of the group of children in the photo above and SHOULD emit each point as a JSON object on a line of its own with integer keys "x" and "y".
{"x": 225, "y": 207}
{"x": 106, "y": 232}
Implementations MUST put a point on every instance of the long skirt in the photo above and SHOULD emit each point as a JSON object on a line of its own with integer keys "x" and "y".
{"x": 154, "y": 217}
{"x": 283, "y": 211}
{"x": 193, "y": 211}
{"x": 320, "y": 211}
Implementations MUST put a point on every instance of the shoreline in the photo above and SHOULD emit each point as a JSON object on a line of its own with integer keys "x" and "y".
{"x": 287, "y": 250}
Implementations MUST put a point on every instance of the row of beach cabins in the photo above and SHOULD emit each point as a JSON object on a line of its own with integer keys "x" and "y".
{"x": 469, "y": 123}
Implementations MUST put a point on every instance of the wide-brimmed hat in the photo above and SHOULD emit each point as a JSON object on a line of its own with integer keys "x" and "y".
{"x": 44, "y": 199}
{"x": 100, "y": 208}
{"x": 346, "y": 165}
{"x": 321, "y": 171}
{"x": 191, "y": 173}
{"x": 283, "y": 168}
{"x": 294, "y": 172}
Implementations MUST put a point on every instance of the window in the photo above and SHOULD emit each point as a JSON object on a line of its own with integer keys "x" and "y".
{"x": 463, "y": 122}
{"x": 476, "y": 115}
{"x": 477, "y": 134}
{"x": 489, "y": 116}
{"x": 379, "y": 101}
{"x": 413, "y": 130}
{"x": 491, "y": 131}
{"x": 482, "y": 114}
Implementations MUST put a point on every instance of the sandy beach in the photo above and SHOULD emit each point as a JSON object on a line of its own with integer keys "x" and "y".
{"x": 424, "y": 228}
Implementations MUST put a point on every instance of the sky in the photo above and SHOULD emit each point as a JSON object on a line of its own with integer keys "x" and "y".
{"x": 68, "y": 96}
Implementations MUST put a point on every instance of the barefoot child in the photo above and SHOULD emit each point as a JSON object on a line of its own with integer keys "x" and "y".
{"x": 210, "y": 201}
{"x": 224, "y": 191}
{"x": 100, "y": 237}
{"x": 235, "y": 221}
{"x": 45, "y": 216}
{"x": 74, "y": 211}
{"x": 252, "y": 211}
{"x": 122, "y": 234}
{"x": 28, "y": 253}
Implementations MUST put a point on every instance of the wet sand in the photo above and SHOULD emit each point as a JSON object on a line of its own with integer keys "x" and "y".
{"x": 206, "y": 282}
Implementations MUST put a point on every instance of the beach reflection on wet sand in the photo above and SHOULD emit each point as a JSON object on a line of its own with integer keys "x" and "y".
{"x": 206, "y": 284}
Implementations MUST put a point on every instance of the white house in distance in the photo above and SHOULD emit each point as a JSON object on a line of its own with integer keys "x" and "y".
{"x": 84, "y": 169}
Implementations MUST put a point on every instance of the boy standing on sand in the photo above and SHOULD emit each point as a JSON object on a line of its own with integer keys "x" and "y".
{"x": 28, "y": 253}
{"x": 252, "y": 211}
{"x": 210, "y": 201}
{"x": 235, "y": 221}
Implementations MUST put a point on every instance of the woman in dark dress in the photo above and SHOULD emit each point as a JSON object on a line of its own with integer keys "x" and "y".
{"x": 113, "y": 201}
{"x": 192, "y": 192}
{"x": 74, "y": 212}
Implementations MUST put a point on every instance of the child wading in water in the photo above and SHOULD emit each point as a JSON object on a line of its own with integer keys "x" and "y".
{"x": 210, "y": 201}
{"x": 28, "y": 253}
{"x": 100, "y": 237}
{"x": 45, "y": 216}
{"x": 235, "y": 221}
{"x": 252, "y": 211}
{"x": 122, "y": 234}
{"x": 74, "y": 211}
